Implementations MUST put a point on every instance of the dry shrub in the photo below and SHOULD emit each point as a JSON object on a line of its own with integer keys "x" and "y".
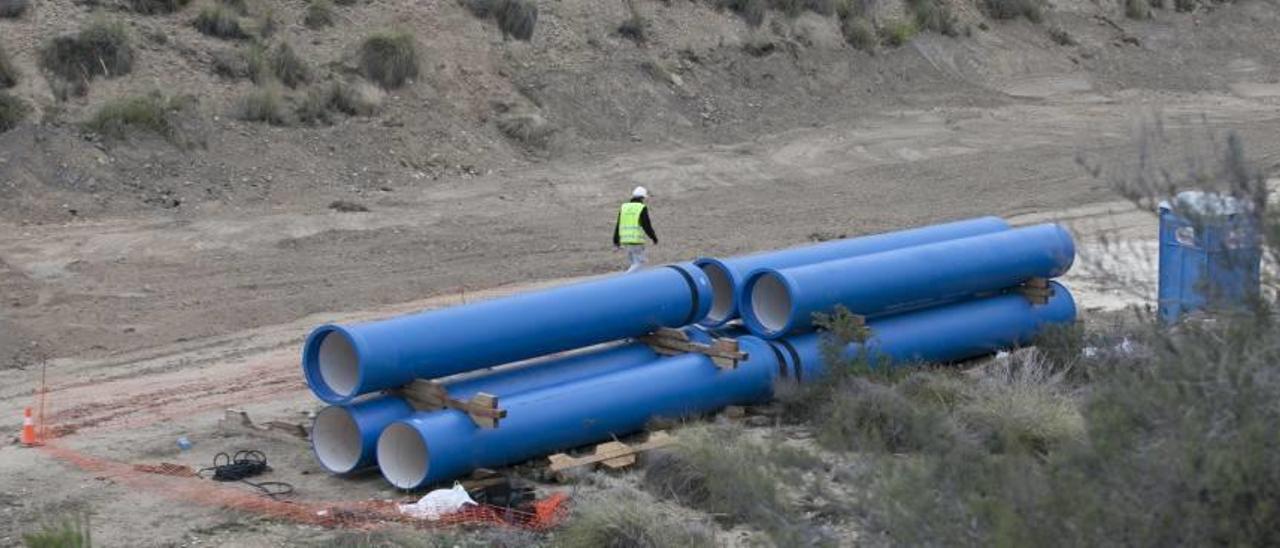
{"x": 319, "y": 14}
{"x": 389, "y": 58}
{"x": 289, "y": 68}
{"x": 101, "y": 48}
{"x": 1137, "y": 9}
{"x": 9, "y": 74}
{"x": 1173, "y": 442}
{"x": 479, "y": 8}
{"x": 12, "y": 111}
{"x": 635, "y": 27}
{"x": 528, "y": 128}
{"x": 156, "y": 7}
{"x": 12, "y": 9}
{"x": 715, "y": 469}
{"x": 117, "y": 117}
{"x": 622, "y": 516}
{"x": 220, "y": 21}
{"x": 264, "y": 103}
{"x": 934, "y": 15}
{"x": 1032, "y": 10}
{"x": 751, "y": 11}
{"x": 897, "y": 33}
{"x": 355, "y": 99}
{"x": 859, "y": 33}
{"x": 516, "y": 18}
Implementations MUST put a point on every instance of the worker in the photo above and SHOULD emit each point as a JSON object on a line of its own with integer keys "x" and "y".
{"x": 633, "y": 218}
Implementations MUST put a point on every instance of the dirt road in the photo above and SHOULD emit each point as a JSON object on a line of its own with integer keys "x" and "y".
{"x": 158, "y": 325}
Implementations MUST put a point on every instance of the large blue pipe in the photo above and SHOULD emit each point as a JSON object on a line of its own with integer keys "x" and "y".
{"x": 947, "y": 333}
{"x": 344, "y": 437}
{"x": 727, "y": 275}
{"x": 343, "y": 362}
{"x": 437, "y": 446}
{"x": 778, "y": 302}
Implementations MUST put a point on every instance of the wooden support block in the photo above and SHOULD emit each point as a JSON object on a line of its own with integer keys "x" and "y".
{"x": 671, "y": 342}
{"x": 613, "y": 455}
{"x": 428, "y": 395}
{"x": 1037, "y": 283}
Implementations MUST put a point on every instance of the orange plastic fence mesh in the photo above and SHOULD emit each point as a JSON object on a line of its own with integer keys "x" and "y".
{"x": 171, "y": 482}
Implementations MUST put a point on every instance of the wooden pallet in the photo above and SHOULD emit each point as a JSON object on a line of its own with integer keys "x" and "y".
{"x": 670, "y": 342}
{"x": 428, "y": 395}
{"x": 613, "y": 455}
{"x": 1037, "y": 290}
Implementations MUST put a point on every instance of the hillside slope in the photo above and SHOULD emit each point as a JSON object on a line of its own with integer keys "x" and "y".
{"x": 578, "y": 90}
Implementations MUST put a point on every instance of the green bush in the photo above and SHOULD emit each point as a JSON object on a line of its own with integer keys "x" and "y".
{"x": 516, "y": 18}
{"x": 1032, "y": 10}
{"x": 9, "y": 74}
{"x": 319, "y": 14}
{"x": 12, "y": 111}
{"x": 389, "y": 59}
{"x": 12, "y": 9}
{"x": 624, "y": 517}
{"x": 117, "y": 118}
{"x": 101, "y": 48}
{"x": 898, "y": 33}
{"x": 859, "y": 33}
{"x": 70, "y": 532}
{"x": 1169, "y": 440}
{"x": 154, "y": 7}
{"x": 715, "y": 469}
{"x": 264, "y": 103}
{"x": 220, "y": 21}
{"x": 1185, "y": 5}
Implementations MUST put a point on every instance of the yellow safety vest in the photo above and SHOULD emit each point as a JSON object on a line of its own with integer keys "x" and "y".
{"x": 629, "y": 230}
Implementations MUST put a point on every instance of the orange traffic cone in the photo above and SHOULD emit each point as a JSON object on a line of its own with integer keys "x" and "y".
{"x": 29, "y": 429}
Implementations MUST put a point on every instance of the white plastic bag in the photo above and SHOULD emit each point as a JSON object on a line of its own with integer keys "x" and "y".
{"x": 438, "y": 503}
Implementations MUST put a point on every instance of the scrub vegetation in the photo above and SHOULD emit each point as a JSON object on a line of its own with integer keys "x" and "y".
{"x": 1132, "y": 433}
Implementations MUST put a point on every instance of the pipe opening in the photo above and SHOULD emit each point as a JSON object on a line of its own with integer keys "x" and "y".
{"x": 402, "y": 455}
{"x": 336, "y": 439}
{"x": 339, "y": 367}
{"x": 721, "y": 292}
{"x": 771, "y": 302}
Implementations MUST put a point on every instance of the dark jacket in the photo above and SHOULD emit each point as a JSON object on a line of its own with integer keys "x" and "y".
{"x": 644, "y": 223}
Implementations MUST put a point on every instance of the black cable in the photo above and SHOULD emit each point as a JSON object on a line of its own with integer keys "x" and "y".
{"x": 246, "y": 464}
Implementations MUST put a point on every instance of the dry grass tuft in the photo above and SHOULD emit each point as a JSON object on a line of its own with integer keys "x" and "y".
{"x": 389, "y": 58}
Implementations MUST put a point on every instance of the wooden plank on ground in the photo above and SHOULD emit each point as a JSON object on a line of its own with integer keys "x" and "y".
{"x": 612, "y": 454}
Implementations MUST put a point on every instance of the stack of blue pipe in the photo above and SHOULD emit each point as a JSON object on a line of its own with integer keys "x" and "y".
{"x": 567, "y": 371}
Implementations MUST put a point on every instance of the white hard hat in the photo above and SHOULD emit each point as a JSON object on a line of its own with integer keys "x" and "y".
{"x": 640, "y": 192}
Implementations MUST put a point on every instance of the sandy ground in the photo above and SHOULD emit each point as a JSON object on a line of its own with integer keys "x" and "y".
{"x": 155, "y": 326}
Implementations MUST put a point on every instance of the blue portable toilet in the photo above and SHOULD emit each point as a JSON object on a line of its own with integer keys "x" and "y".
{"x": 1210, "y": 254}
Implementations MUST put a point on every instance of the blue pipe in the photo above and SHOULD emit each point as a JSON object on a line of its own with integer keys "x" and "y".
{"x": 343, "y": 362}
{"x": 727, "y": 275}
{"x": 944, "y": 334}
{"x": 778, "y": 302}
{"x": 345, "y": 436}
{"x": 434, "y": 447}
